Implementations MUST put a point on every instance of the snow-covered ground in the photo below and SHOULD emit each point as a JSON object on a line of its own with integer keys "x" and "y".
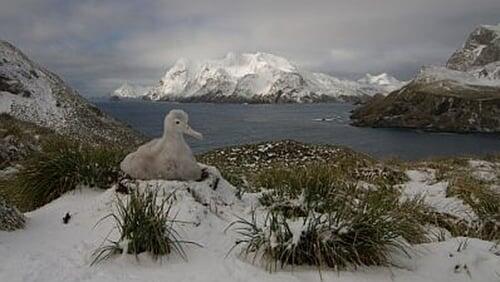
{"x": 48, "y": 250}
{"x": 422, "y": 183}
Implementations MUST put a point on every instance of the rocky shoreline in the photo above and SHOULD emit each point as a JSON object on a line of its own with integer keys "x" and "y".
{"x": 432, "y": 107}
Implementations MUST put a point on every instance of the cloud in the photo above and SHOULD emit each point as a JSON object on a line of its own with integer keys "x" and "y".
{"x": 96, "y": 45}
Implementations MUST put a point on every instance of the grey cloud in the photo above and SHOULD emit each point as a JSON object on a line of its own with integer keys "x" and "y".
{"x": 96, "y": 45}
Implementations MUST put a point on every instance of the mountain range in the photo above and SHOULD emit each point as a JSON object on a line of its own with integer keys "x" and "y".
{"x": 254, "y": 78}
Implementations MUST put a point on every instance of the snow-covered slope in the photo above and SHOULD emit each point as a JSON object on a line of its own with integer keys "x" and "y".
{"x": 258, "y": 78}
{"x": 128, "y": 90}
{"x": 31, "y": 93}
{"x": 429, "y": 74}
{"x": 48, "y": 250}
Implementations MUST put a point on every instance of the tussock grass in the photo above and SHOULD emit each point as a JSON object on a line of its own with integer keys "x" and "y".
{"x": 320, "y": 179}
{"x": 145, "y": 225}
{"x": 476, "y": 193}
{"x": 22, "y": 130}
{"x": 485, "y": 202}
{"x": 317, "y": 218}
{"x": 59, "y": 167}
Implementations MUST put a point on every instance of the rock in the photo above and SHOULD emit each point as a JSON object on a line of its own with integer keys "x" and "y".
{"x": 481, "y": 48}
{"x": 10, "y": 218}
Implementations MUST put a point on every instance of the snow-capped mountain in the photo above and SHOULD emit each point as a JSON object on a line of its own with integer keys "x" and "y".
{"x": 128, "y": 90}
{"x": 29, "y": 92}
{"x": 253, "y": 78}
{"x": 381, "y": 83}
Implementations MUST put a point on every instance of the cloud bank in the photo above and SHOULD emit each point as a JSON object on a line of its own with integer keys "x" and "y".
{"x": 96, "y": 45}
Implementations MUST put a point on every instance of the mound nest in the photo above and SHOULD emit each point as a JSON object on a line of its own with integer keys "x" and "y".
{"x": 243, "y": 162}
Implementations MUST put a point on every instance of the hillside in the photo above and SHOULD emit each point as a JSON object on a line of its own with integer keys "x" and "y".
{"x": 31, "y": 93}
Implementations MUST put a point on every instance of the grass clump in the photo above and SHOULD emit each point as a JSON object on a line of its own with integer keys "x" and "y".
{"x": 314, "y": 218}
{"x": 483, "y": 199}
{"x": 317, "y": 185}
{"x": 145, "y": 225}
{"x": 241, "y": 164}
{"x": 476, "y": 193}
{"x": 59, "y": 167}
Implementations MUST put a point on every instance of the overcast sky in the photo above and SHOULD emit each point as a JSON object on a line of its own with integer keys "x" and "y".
{"x": 96, "y": 45}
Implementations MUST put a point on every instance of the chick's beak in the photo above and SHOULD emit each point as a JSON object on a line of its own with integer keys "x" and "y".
{"x": 193, "y": 133}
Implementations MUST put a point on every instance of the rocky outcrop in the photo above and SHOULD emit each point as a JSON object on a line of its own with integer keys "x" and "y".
{"x": 10, "y": 218}
{"x": 481, "y": 48}
{"x": 463, "y": 97}
{"x": 31, "y": 93}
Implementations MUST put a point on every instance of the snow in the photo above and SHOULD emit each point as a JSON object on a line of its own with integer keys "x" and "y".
{"x": 382, "y": 83}
{"x": 41, "y": 106}
{"x": 483, "y": 170}
{"x": 48, "y": 250}
{"x": 474, "y": 261}
{"x": 6, "y": 104}
{"x": 490, "y": 71}
{"x": 128, "y": 90}
{"x": 433, "y": 73}
{"x": 494, "y": 28}
{"x": 254, "y": 75}
{"x": 422, "y": 183}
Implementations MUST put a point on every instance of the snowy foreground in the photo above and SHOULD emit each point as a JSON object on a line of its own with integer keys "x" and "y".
{"x": 48, "y": 250}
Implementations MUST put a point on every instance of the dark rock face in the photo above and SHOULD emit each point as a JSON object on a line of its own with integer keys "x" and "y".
{"x": 31, "y": 93}
{"x": 481, "y": 48}
{"x": 438, "y": 106}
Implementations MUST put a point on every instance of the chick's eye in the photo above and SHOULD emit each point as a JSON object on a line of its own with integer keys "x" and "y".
{"x": 177, "y": 122}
